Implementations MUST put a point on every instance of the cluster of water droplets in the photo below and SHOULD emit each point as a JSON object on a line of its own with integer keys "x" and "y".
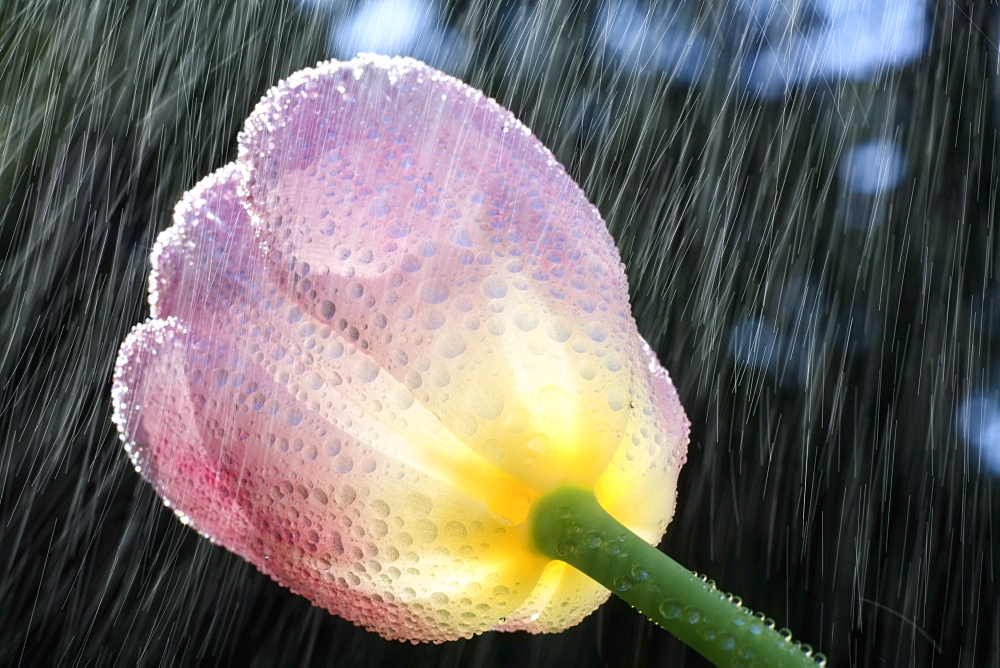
{"x": 581, "y": 545}
{"x": 372, "y": 346}
{"x": 474, "y": 272}
{"x": 754, "y": 623}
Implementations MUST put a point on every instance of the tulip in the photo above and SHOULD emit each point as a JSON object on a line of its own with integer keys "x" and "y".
{"x": 391, "y": 362}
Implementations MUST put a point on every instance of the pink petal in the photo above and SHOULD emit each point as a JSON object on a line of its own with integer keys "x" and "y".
{"x": 326, "y": 368}
{"x": 362, "y": 535}
{"x": 201, "y": 483}
{"x": 306, "y": 479}
{"x": 209, "y": 257}
{"x": 376, "y": 338}
{"x": 437, "y": 226}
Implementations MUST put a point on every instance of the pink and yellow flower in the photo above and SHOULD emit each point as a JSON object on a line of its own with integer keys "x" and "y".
{"x": 375, "y": 338}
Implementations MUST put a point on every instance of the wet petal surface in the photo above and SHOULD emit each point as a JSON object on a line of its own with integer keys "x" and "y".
{"x": 376, "y": 338}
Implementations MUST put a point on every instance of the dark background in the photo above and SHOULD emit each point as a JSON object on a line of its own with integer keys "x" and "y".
{"x": 832, "y": 334}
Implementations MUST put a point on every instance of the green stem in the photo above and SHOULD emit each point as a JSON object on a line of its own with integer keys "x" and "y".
{"x": 570, "y": 525}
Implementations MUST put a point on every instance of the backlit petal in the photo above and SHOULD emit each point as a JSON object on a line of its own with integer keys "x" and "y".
{"x": 376, "y": 338}
{"x": 468, "y": 260}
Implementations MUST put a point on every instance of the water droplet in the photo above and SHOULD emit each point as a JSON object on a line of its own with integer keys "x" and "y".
{"x": 526, "y": 318}
{"x": 539, "y": 443}
{"x": 494, "y": 287}
{"x": 670, "y": 609}
{"x": 451, "y": 346}
{"x": 559, "y": 330}
{"x": 397, "y": 229}
{"x": 639, "y": 573}
{"x": 367, "y": 370}
{"x": 420, "y": 504}
{"x": 617, "y": 398}
{"x": 221, "y": 377}
{"x": 327, "y": 310}
{"x": 691, "y": 615}
{"x": 455, "y": 530}
{"x": 410, "y": 263}
{"x": 379, "y": 207}
{"x": 380, "y": 508}
{"x": 486, "y": 399}
{"x": 433, "y": 291}
{"x": 586, "y": 370}
{"x": 622, "y": 583}
{"x": 597, "y": 332}
{"x": 517, "y": 420}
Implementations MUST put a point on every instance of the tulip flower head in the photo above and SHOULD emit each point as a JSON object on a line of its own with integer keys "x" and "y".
{"x": 376, "y": 338}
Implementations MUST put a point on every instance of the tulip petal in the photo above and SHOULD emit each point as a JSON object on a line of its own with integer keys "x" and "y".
{"x": 363, "y": 536}
{"x": 326, "y": 368}
{"x": 562, "y": 598}
{"x": 376, "y": 338}
{"x": 209, "y": 258}
{"x": 200, "y": 483}
{"x": 429, "y": 218}
{"x": 638, "y": 488}
{"x": 228, "y": 446}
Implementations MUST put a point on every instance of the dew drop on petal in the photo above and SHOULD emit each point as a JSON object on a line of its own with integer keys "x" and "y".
{"x": 379, "y": 208}
{"x": 433, "y": 291}
{"x": 494, "y": 287}
{"x": 373, "y": 336}
{"x": 451, "y": 346}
